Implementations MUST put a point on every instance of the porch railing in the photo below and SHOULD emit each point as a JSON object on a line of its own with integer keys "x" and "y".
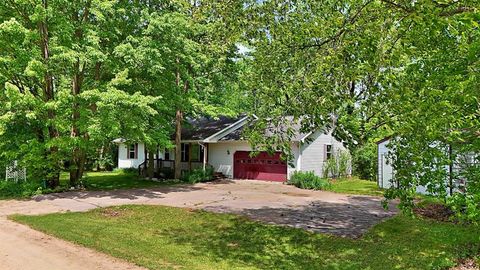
{"x": 166, "y": 168}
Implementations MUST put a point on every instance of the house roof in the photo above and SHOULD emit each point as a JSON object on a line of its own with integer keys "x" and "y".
{"x": 384, "y": 139}
{"x": 200, "y": 129}
{"x": 223, "y": 128}
{"x": 298, "y": 134}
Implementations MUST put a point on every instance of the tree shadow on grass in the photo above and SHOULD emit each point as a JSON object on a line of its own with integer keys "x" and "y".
{"x": 399, "y": 243}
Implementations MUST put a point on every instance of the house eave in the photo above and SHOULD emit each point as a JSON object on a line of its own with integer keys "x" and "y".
{"x": 215, "y": 137}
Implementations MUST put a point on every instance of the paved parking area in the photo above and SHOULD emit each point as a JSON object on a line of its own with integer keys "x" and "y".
{"x": 25, "y": 249}
{"x": 271, "y": 202}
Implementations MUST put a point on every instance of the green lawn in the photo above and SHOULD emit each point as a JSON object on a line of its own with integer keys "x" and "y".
{"x": 160, "y": 237}
{"x": 119, "y": 180}
{"x": 356, "y": 186}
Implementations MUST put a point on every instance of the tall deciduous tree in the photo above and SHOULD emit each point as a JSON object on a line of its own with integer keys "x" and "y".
{"x": 408, "y": 67}
{"x": 60, "y": 95}
{"x": 184, "y": 53}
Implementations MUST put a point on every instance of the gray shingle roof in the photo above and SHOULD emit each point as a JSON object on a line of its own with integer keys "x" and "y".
{"x": 204, "y": 127}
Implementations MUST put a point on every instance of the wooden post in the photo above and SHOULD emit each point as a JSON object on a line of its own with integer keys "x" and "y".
{"x": 158, "y": 161}
{"x": 190, "y": 156}
{"x": 205, "y": 153}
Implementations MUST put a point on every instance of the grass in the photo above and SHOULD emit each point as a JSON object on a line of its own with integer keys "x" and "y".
{"x": 356, "y": 186}
{"x": 119, "y": 180}
{"x": 92, "y": 181}
{"x": 160, "y": 237}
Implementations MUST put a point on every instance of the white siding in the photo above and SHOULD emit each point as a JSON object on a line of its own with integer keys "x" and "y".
{"x": 385, "y": 170}
{"x": 220, "y": 156}
{"x": 313, "y": 153}
{"x": 123, "y": 160}
{"x": 296, "y": 162}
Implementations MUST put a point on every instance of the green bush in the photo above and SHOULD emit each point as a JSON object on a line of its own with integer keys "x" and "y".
{"x": 365, "y": 162}
{"x": 338, "y": 165}
{"x": 308, "y": 180}
{"x": 127, "y": 170}
{"x": 198, "y": 176}
{"x": 11, "y": 190}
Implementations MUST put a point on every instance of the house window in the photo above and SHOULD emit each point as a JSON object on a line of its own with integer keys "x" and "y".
{"x": 167, "y": 154}
{"x": 185, "y": 152}
{"x": 132, "y": 151}
{"x": 195, "y": 152}
{"x": 328, "y": 151}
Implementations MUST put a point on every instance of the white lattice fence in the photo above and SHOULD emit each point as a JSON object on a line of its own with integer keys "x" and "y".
{"x": 15, "y": 173}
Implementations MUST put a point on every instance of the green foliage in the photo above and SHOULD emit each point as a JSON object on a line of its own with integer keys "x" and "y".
{"x": 338, "y": 165}
{"x": 76, "y": 75}
{"x": 12, "y": 190}
{"x": 205, "y": 240}
{"x": 126, "y": 171}
{"x": 364, "y": 162}
{"x": 373, "y": 68}
{"x": 198, "y": 176}
{"x": 25, "y": 190}
{"x": 308, "y": 180}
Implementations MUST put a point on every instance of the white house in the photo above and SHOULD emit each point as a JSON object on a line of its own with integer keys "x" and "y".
{"x": 386, "y": 172}
{"x": 219, "y": 143}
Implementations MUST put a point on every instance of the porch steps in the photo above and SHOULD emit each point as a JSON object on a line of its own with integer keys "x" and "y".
{"x": 218, "y": 176}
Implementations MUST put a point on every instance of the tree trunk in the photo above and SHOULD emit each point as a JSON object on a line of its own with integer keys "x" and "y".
{"x": 78, "y": 154}
{"x": 151, "y": 164}
{"x": 178, "y": 143}
{"x": 53, "y": 176}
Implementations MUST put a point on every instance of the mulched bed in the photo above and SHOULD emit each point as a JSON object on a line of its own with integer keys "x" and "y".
{"x": 438, "y": 212}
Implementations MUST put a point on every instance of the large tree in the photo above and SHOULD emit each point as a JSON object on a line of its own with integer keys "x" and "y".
{"x": 185, "y": 53}
{"x": 372, "y": 68}
{"x": 435, "y": 83}
{"x": 61, "y": 96}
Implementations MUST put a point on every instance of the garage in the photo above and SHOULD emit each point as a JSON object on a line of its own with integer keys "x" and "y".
{"x": 261, "y": 167}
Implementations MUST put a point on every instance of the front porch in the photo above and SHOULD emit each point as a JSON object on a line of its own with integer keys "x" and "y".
{"x": 193, "y": 156}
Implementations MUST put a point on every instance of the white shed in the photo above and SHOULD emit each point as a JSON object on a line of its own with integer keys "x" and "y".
{"x": 386, "y": 172}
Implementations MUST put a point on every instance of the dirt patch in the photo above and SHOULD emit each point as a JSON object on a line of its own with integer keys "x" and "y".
{"x": 438, "y": 212}
{"x": 293, "y": 194}
{"x": 114, "y": 212}
{"x": 466, "y": 264}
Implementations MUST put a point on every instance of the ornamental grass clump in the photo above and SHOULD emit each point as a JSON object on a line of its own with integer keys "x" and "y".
{"x": 308, "y": 180}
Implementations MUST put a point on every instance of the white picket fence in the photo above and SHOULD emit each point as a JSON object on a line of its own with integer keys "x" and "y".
{"x": 15, "y": 173}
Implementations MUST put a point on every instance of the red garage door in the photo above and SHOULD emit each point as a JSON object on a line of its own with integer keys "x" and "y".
{"x": 261, "y": 167}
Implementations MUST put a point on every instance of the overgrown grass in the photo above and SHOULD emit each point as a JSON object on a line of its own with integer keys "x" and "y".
{"x": 160, "y": 237}
{"x": 355, "y": 186}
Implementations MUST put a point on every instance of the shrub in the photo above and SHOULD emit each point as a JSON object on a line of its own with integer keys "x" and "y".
{"x": 365, "y": 162}
{"x": 198, "y": 176}
{"x": 10, "y": 190}
{"x": 308, "y": 180}
{"x": 338, "y": 165}
{"x": 127, "y": 170}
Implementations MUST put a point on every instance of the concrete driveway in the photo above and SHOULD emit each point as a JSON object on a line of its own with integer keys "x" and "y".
{"x": 271, "y": 202}
{"x": 25, "y": 249}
